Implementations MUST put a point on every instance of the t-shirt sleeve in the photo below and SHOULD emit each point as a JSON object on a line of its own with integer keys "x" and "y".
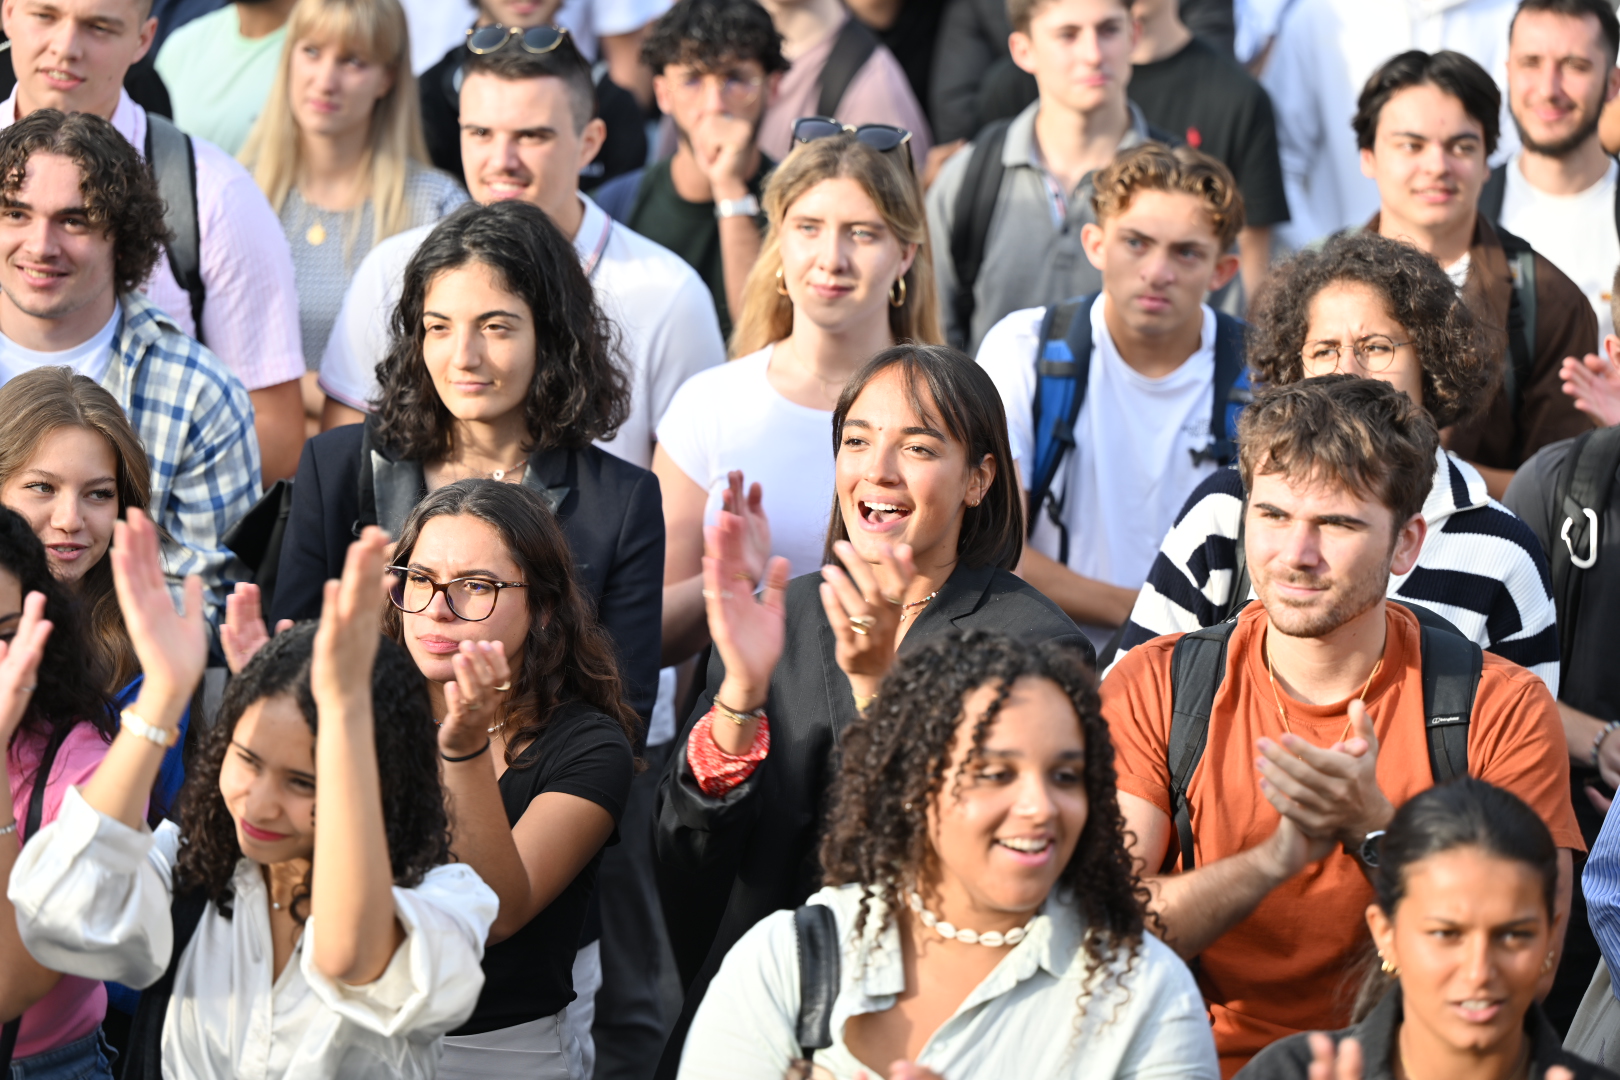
{"x": 1259, "y": 165}
{"x": 1007, "y": 355}
{"x": 687, "y": 428}
{"x": 1136, "y": 706}
{"x": 1516, "y": 742}
{"x": 592, "y": 761}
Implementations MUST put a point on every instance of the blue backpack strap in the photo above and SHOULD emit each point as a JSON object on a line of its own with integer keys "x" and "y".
{"x": 1233, "y": 391}
{"x": 1062, "y": 363}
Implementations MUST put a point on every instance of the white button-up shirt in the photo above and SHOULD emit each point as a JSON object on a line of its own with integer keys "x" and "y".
{"x": 93, "y": 896}
{"x": 1020, "y": 1021}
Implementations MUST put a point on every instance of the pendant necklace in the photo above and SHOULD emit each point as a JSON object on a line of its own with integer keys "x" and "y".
{"x": 906, "y": 612}
{"x": 1283, "y": 712}
{"x": 502, "y": 474}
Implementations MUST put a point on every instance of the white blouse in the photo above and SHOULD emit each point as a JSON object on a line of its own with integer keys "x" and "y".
{"x": 92, "y": 898}
{"x": 1020, "y": 1021}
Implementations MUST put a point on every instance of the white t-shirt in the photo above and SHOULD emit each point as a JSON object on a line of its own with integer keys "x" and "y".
{"x": 1576, "y": 233}
{"x": 657, "y": 302}
{"x": 731, "y": 417}
{"x": 90, "y": 359}
{"x": 1131, "y": 468}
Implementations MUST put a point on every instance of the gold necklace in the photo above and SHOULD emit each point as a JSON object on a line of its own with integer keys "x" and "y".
{"x": 832, "y": 388}
{"x": 1283, "y": 713}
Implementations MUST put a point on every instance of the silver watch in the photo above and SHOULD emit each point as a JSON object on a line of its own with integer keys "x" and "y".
{"x": 747, "y": 206}
{"x": 1369, "y": 848}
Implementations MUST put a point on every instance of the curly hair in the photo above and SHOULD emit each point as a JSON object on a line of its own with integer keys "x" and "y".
{"x": 69, "y": 687}
{"x": 704, "y": 34}
{"x": 579, "y": 393}
{"x": 120, "y": 195}
{"x": 1183, "y": 170}
{"x": 1460, "y": 368}
{"x": 894, "y": 766}
{"x": 414, "y": 816}
{"x": 567, "y": 656}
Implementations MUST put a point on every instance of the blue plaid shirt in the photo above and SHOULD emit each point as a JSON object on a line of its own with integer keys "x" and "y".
{"x": 196, "y": 420}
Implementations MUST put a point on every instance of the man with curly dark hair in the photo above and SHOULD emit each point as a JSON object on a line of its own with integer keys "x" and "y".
{"x": 1318, "y": 715}
{"x": 81, "y": 226}
{"x": 716, "y": 65}
{"x": 1480, "y": 567}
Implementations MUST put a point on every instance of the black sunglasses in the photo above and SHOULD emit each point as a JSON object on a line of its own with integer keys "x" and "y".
{"x": 484, "y": 40}
{"x": 880, "y": 137}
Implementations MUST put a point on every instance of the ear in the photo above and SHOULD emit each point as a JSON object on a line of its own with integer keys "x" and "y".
{"x": 1226, "y": 268}
{"x": 1612, "y": 90}
{"x": 144, "y": 39}
{"x": 1408, "y": 543}
{"x": 1022, "y": 50}
{"x": 590, "y": 141}
{"x": 909, "y": 257}
{"x": 1383, "y": 934}
{"x": 1091, "y": 241}
{"x": 661, "y": 92}
{"x": 1611, "y": 344}
{"x": 982, "y": 479}
{"x": 1369, "y": 165}
{"x": 773, "y": 84}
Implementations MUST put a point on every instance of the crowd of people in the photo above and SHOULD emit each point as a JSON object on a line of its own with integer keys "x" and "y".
{"x": 1189, "y": 657}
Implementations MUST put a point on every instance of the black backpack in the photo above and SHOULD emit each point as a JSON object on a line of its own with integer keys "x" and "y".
{"x": 1582, "y": 493}
{"x": 145, "y": 1049}
{"x": 817, "y": 933}
{"x": 1451, "y": 669}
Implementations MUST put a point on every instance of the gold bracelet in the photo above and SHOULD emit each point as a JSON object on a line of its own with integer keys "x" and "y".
{"x": 862, "y": 701}
{"x": 738, "y": 718}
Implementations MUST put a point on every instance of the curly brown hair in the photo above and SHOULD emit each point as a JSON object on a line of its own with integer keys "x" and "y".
{"x": 414, "y": 817}
{"x": 1460, "y": 368}
{"x": 894, "y": 764}
{"x": 120, "y": 195}
{"x": 1182, "y": 170}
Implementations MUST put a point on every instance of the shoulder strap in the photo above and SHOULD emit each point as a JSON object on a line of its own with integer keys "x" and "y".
{"x": 1493, "y": 193}
{"x": 818, "y": 976}
{"x": 1521, "y": 327}
{"x": 852, "y": 48}
{"x": 367, "y": 479}
{"x": 1062, "y": 364}
{"x": 1451, "y": 669}
{"x": 36, "y": 814}
{"x": 970, "y": 219}
{"x": 1582, "y": 498}
{"x": 1197, "y": 668}
{"x": 173, "y": 159}
{"x": 146, "y": 1030}
{"x": 1232, "y": 392}
{"x": 1240, "y": 569}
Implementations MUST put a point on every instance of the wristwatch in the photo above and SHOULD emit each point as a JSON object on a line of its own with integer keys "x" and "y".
{"x": 747, "y": 206}
{"x": 1369, "y": 848}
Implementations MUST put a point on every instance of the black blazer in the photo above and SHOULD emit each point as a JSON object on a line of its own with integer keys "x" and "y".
{"x": 725, "y": 863}
{"x": 610, "y": 510}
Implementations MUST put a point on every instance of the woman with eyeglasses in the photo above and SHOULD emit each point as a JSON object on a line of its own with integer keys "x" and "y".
{"x": 926, "y": 524}
{"x": 845, "y": 272}
{"x": 338, "y": 151}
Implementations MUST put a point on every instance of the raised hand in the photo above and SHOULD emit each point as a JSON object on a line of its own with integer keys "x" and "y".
{"x": 864, "y": 604}
{"x": 749, "y": 507}
{"x": 1343, "y": 1062}
{"x": 244, "y": 632}
{"x": 172, "y": 646}
{"x": 345, "y": 646}
{"x": 748, "y": 632}
{"x": 1594, "y": 382}
{"x": 473, "y": 701}
{"x": 19, "y": 664}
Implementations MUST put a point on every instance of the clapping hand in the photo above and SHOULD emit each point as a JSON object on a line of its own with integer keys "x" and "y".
{"x": 1594, "y": 382}
{"x": 472, "y": 700}
{"x": 749, "y": 507}
{"x": 1331, "y": 794}
{"x": 345, "y": 647}
{"x": 748, "y": 632}
{"x": 172, "y": 646}
{"x": 19, "y": 664}
{"x": 1342, "y": 1062}
{"x": 244, "y": 632}
{"x": 864, "y": 604}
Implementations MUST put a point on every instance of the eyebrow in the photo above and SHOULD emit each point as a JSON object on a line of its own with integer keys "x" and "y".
{"x": 11, "y": 202}
{"x": 498, "y": 313}
{"x": 1439, "y": 138}
{"x": 923, "y": 430}
{"x": 260, "y": 761}
{"x": 475, "y": 572}
{"x": 1320, "y": 519}
{"x": 46, "y": 474}
{"x": 1066, "y": 755}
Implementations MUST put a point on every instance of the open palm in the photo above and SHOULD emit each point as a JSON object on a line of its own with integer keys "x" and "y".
{"x": 172, "y": 646}
{"x": 748, "y": 632}
{"x": 19, "y": 664}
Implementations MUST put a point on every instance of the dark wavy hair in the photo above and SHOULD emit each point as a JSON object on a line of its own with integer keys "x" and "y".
{"x": 69, "y": 689}
{"x": 895, "y": 762}
{"x": 1460, "y": 368}
{"x": 120, "y": 196}
{"x": 579, "y": 393}
{"x": 1447, "y": 71}
{"x": 567, "y": 656}
{"x": 414, "y": 817}
{"x": 947, "y": 388}
{"x": 705, "y": 34}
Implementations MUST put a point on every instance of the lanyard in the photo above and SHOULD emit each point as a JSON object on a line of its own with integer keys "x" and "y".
{"x": 595, "y": 256}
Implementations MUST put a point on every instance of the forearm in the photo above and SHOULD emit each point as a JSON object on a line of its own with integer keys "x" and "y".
{"x": 685, "y": 622}
{"x": 482, "y": 838}
{"x": 1083, "y": 599}
{"x": 353, "y": 878}
{"x": 278, "y": 420}
{"x": 739, "y": 249}
{"x": 124, "y": 778}
{"x": 1196, "y": 908}
{"x": 1254, "y": 255}
{"x": 1580, "y": 732}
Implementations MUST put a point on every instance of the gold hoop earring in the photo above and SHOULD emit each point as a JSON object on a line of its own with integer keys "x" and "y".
{"x": 781, "y": 289}
{"x": 900, "y": 287}
{"x": 1386, "y": 967}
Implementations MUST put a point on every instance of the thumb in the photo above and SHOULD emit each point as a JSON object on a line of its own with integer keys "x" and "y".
{"x": 1361, "y": 726}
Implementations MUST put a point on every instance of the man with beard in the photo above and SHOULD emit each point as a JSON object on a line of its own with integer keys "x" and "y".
{"x": 716, "y": 65}
{"x": 1316, "y": 725}
{"x": 1559, "y": 191}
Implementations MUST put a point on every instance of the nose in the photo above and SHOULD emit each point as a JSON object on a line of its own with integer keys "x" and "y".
{"x": 65, "y": 516}
{"x": 1034, "y": 801}
{"x": 438, "y": 608}
{"x": 714, "y": 93}
{"x": 881, "y": 464}
{"x": 1301, "y": 547}
{"x": 1477, "y": 962}
{"x": 1088, "y": 46}
{"x": 261, "y": 806}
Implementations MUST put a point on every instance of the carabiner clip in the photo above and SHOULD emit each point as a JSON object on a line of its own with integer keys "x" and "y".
{"x": 1592, "y": 540}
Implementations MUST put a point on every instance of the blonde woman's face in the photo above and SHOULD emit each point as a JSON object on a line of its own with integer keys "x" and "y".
{"x": 839, "y": 257}
{"x": 68, "y": 494}
{"x": 332, "y": 89}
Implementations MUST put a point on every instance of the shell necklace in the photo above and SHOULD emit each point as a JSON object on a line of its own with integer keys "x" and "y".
{"x": 993, "y": 939}
{"x": 906, "y": 612}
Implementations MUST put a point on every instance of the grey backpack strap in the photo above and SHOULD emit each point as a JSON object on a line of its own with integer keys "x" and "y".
{"x": 1197, "y": 668}
{"x": 174, "y": 166}
{"x": 852, "y": 48}
{"x": 818, "y": 976}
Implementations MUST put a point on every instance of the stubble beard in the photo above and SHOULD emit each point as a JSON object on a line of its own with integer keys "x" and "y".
{"x": 1300, "y": 621}
{"x": 1559, "y": 149}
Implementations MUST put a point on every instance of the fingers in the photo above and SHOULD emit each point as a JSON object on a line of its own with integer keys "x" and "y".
{"x": 774, "y": 595}
{"x": 837, "y": 616}
{"x": 853, "y": 600}
{"x": 1350, "y": 1065}
{"x": 1597, "y": 800}
{"x": 283, "y": 624}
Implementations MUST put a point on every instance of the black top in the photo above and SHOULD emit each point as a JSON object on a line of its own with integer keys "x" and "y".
{"x": 440, "y": 88}
{"x": 1204, "y": 97}
{"x": 610, "y": 510}
{"x": 531, "y": 974}
{"x": 725, "y": 863}
{"x": 1290, "y": 1058}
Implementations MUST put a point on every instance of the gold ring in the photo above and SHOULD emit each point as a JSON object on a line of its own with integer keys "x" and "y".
{"x": 862, "y": 624}
{"x": 505, "y": 686}
{"x": 472, "y": 704}
{"x": 740, "y": 576}
{"x": 895, "y": 600}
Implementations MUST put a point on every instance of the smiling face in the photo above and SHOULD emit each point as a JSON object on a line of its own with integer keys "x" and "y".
{"x": 332, "y": 89}
{"x": 1560, "y": 74}
{"x": 901, "y": 479}
{"x": 1005, "y": 828}
{"x": 478, "y": 343}
{"x": 1159, "y": 258}
{"x": 55, "y": 265}
{"x": 839, "y": 257}
{"x": 460, "y": 546}
{"x": 72, "y": 54}
{"x": 518, "y": 141}
{"x": 1471, "y": 938}
{"x": 68, "y": 493}
{"x": 1347, "y": 313}
{"x": 1428, "y": 159}
{"x": 1079, "y": 52}
{"x": 268, "y": 781}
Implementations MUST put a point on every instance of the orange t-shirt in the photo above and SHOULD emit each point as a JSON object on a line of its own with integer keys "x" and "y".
{"x": 1286, "y": 968}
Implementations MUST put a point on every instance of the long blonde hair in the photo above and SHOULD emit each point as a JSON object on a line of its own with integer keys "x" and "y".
{"x": 376, "y": 30}
{"x": 767, "y": 315}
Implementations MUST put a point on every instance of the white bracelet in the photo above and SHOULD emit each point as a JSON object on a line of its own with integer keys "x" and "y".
{"x": 160, "y": 736}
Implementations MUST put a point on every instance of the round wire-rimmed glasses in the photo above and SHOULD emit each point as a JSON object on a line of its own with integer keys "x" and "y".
{"x": 1375, "y": 353}
{"x": 471, "y": 599}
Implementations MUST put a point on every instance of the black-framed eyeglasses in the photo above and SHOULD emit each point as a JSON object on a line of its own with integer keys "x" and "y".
{"x": 484, "y": 40}
{"x": 1375, "y": 353}
{"x": 471, "y": 599}
{"x": 880, "y": 137}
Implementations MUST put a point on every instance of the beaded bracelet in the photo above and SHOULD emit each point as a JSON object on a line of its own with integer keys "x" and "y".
{"x": 1597, "y": 743}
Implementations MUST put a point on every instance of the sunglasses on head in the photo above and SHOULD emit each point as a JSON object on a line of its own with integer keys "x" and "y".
{"x": 484, "y": 40}
{"x": 880, "y": 137}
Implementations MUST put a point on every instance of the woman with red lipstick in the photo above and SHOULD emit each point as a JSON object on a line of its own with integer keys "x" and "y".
{"x": 974, "y": 852}
{"x": 1465, "y": 936}
{"x": 926, "y": 523}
